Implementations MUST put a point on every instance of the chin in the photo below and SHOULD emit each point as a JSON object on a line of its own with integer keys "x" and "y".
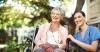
{"x": 79, "y": 25}
{"x": 55, "y": 21}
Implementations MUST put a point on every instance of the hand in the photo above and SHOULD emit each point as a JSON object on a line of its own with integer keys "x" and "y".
{"x": 50, "y": 49}
{"x": 71, "y": 37}
{"x": 54, "y": 46}
{"x": 44, "y": 46}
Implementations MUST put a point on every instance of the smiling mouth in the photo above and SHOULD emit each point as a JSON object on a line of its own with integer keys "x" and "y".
{"x": 55, "y": 18}
{"x": 79, "y": 23}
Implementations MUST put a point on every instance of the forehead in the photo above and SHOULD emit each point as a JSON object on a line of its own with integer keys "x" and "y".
{"x": 78, "y": 14}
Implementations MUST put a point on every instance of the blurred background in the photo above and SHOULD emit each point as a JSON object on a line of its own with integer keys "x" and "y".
{"x": 20, "y": 19}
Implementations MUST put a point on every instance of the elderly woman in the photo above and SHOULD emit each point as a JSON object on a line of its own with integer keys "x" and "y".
{"x": 51, "y": 37}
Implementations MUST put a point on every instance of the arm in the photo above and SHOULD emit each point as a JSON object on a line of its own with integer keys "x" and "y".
{"x": 92, "y": 47}
{"x": 38, "y": 36}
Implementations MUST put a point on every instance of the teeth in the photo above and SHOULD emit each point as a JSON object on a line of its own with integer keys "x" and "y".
{"x": 55, "y": 18}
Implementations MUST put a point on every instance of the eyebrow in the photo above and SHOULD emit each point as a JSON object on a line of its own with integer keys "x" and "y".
{"x": 77, "y": 16}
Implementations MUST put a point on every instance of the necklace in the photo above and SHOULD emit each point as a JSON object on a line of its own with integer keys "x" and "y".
{"x": 53, "y": 35}
{"x": 55, "y": 32}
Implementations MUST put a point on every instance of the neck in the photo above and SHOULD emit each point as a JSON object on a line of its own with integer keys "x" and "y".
{"x": 84, "y": 27}
{"x": 55, "y": 23}
{"x": 54, "y": 26}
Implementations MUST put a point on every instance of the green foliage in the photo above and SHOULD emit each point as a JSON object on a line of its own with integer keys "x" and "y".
{"x": 3, "y": 32}
{"x": 38, "y": 22}
{"x": 10, "y": 16}
{"x": 12, "y": 45}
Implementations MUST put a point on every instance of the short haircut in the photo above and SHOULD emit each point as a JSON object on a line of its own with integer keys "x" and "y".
{"x": 58, "y": 9}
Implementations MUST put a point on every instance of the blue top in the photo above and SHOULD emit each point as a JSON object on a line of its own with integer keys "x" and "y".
{"x": 91, "y": 34}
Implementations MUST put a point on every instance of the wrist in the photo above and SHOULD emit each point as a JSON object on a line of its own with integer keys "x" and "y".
{"x": 74, "y": 40}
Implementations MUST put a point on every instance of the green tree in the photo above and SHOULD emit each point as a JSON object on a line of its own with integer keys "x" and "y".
{"x": 39, "y": 13}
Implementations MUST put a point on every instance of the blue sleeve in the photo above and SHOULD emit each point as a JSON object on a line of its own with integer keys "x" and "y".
{"x": 95, "y": 34}
{"x": 73, "y": 44}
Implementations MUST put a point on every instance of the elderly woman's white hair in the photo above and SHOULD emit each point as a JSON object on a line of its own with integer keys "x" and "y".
{"x": 58, "y": 9}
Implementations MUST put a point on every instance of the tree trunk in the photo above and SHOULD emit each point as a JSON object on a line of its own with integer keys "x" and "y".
{"x": 70, "y": 21}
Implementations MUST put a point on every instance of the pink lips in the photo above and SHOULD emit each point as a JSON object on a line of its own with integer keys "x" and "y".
{"x": 55, "y": 18}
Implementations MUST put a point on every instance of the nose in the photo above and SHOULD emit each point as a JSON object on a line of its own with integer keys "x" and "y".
{"x": 76, "y": 19}
{"x": 54, "y": 15}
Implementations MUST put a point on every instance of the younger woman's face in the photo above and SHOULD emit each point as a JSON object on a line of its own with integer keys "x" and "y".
{"x": 79, "y": 19}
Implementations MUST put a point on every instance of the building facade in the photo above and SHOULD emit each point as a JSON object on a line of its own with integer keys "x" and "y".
{"x": 93, "y": 12}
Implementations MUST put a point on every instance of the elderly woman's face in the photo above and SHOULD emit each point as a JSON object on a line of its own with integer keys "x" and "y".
{"x": 56, "y": 15}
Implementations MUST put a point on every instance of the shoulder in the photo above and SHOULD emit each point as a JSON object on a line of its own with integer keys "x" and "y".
{"x": 63, "y": 30}
{"x": 44, "y": 25}
{"x": 93, "y": 27}
{"x": 94, "y": 32}
{"x": 62, "y": 27}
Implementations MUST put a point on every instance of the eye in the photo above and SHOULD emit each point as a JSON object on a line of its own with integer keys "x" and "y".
{"x": 79, "y": 16}
{"x": 57, "y": 14}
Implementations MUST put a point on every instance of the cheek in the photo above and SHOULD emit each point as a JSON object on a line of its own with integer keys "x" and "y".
{"x": 75, "y": 22}
{"x": 82, "y": 19}
{"x": 51, "y": 17}
{"x": 61, "y": 18}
